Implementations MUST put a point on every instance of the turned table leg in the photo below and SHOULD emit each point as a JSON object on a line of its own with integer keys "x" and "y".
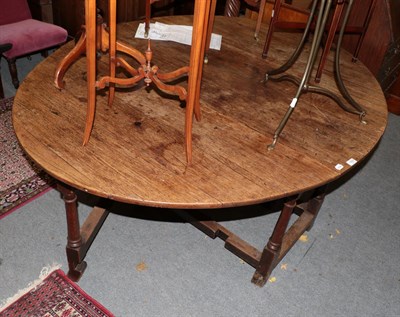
{"x": 314, "y": 204}
{"x": 75, "y": 241}
{"x": 306, "y": 206}
{"x": 79, "y": 238}
{"x": 270, "y": 254}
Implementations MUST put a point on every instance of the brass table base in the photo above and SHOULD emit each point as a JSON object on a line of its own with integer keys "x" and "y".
{"x": 303, "y": 83}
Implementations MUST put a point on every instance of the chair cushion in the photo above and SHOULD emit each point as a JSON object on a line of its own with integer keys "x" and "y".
{"x": 29, "y": 36}
{"x": 13, "y": 11}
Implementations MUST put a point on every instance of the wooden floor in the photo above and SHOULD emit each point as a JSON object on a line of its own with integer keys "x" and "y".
{"x": 136, "y": 151}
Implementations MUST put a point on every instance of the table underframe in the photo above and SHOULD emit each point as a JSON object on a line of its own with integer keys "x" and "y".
{"x": 306, "y": 206}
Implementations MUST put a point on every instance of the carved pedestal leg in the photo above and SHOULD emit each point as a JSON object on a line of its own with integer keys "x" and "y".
{"x": 271, "y": 251}
{"x": 75, "y": 241}
{"x": 232, "y": 8}
{"x": 78, "y": 50}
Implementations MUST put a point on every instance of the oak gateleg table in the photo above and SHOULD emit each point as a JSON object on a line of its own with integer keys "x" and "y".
{"x": 136, "y": 153}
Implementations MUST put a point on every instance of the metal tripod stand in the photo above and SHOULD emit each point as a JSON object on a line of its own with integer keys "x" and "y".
{"x": 303, "y": 83}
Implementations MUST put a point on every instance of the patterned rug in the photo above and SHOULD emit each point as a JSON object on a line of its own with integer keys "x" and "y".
{"x": 55, "y": 296}
{"x": 20, "y": 179}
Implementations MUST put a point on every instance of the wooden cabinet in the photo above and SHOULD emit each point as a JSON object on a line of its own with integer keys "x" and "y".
{"x": 70, "y": 14}
{"x": 41, "y": 10}
{"x": 380, "y": 51}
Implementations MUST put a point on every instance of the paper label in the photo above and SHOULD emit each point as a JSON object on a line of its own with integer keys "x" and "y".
{"x": 351, "y": 162}
{"x": 339, "y": 167}
{"x": 176, "y": 33}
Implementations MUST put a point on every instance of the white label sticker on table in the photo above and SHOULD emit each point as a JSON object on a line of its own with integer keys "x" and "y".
{"x": 339, "y": 167}
{"x": 351, "y": 162}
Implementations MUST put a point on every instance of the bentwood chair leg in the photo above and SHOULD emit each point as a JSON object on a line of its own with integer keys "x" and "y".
{"x": 69, "y": 59}
{"x": 112, "y": 48}
{"x": 78, "y": 50}
{"x": 210, "y": 29}
{"x": 90, "y": 22}
{"x": 206, "y": 37}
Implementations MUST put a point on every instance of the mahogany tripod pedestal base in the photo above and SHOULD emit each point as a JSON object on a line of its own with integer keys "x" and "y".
{"x": 96, "y": 36}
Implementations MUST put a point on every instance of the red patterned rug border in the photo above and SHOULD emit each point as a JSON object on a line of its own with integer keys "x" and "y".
{"x": 29, "y": 189}
{"x": 70, "y": 302}
{"x": 6, "y": 104}
{"x": 5, "y": 213}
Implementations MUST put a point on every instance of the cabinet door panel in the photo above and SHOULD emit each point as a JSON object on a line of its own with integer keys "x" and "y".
{"x": 70, "y": 13}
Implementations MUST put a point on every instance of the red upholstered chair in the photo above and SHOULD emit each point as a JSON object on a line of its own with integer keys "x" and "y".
{"x": 26, "y": 35}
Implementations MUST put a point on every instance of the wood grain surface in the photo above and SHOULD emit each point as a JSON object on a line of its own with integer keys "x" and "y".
{"x": 136, "y": 150}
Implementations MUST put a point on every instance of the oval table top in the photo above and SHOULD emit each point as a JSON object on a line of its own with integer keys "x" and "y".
{"x": 136, "y": 150}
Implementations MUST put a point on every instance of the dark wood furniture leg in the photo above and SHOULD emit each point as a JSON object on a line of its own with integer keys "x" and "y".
{"x": 79, "y": 238}
{"x": 1, "y": 88}
{"x": 274, "y": 18}
{"x": 305, "y": 206}
{"x": 270, "y": 254}
{"x": 313, "y": 205}
{"x": 12, "y": 66}
{"x": 232, "y": 8}
{"x": 3, "y": 48}
{"x": 1, "y": 84}
{"x": 329, "y": 40}
{"x": 364, "y": 30}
